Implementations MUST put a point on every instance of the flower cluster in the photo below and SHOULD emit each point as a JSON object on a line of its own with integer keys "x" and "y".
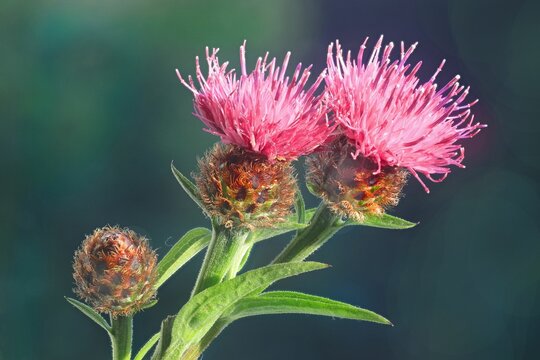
{"x": 371, "y": 125}
{"x": 374, "y": 122}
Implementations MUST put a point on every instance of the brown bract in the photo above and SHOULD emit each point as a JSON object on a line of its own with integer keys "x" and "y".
{"x": 244, "y": 189}
{"x": 115, "y": 271}
{"x": 352, "y": 187}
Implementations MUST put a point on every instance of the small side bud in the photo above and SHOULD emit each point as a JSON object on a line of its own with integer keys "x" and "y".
{"x": 244, "y": 189}
{"x": 353, "y": 187}
{"x": 115, "y": 271}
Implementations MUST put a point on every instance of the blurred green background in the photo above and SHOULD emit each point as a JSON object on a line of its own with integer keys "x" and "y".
{"x": 93, "y": 114}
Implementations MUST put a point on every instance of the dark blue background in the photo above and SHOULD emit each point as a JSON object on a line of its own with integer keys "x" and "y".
{"x": 92, "y": 114}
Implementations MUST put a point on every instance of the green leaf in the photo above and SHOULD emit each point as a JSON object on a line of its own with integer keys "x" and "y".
{"x": 278, "y": 229}
{"x": 189, "y": 187}
{"x": 187, "y": 247}
{"x": 383, "y": 221}
{"x": 245, "y": 258}
{"x": 149, "y": 304}
{"x": 91, "y": 313}
{"x": 146, "y": 347}
{"x": 203, "y": 310}
{"x": 290, "y": 302}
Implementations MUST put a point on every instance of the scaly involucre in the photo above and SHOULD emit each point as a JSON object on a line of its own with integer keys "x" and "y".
{"x": 392, "y": 118}
{"x": 263, "y": 111}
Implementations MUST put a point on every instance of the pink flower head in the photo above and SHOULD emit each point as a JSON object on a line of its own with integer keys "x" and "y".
{"x": 263, "y": 111}
{"x": 394, "y": 119}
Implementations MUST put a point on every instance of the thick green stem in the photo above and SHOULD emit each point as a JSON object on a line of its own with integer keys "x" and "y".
{"x": 321, "y": 228}
{"x": 222, "y": 257}
{"x": 121, "y": 337}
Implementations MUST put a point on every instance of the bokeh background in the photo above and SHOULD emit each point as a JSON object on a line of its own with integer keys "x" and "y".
{"x": 93, "y": 114}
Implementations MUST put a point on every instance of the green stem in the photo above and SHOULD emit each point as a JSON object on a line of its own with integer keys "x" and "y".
{"x": 121, "y": 337}
{"x": 222, "y": 257}
{"x": 321, "y": 228}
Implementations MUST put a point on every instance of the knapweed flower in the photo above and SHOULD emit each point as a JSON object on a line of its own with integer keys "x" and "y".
{"x": 390, "y": 124}
{"x": 353, "y": 187}
{"x": 115, "y": 271}
{"x": 263, "y": 111}
{"x": 395, "y": 120}
{"x": 266, "y": 119}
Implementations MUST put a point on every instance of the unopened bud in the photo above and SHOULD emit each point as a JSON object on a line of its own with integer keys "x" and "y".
{"x": 115, "y": 271}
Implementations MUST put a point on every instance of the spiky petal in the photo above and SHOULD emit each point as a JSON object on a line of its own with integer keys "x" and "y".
{"x": 394, "y": 119}
{"x": 262, "y": 111}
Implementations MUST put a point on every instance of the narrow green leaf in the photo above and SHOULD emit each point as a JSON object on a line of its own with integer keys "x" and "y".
{"x": 300, "y": 207}
{"x": 91, "y": 313}
{"x": 188, "y": 187}
{"x": 203, "y": 310}
{"x": 384, "y": 221}
{"x": 187, "y": 247}
{"x": 279, "y": 229}
{"x": 289, "y": 302}
{"x": 146, "y": 347}
{"x": 149, "y": 304}
{"x": 245, "y": 258}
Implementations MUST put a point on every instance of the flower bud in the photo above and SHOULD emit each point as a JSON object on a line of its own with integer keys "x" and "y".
{"x": 353, "y": 187}
{"x": 115, "y": 271}
{"x": 244, "y": 189}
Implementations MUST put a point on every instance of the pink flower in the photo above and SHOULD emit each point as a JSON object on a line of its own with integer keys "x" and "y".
{"x": 263, "y": 111}
{"x": 394, "y": 119}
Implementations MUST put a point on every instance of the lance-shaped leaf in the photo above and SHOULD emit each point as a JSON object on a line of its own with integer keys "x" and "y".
{"x": 279, "y": 229}
{"x": 188, "y": 187}
{"x": 146, "y": 347}
{"x": 384, "y": 221}
{"x": 149, "y": 304}
{"x": 200, "y": 313}
{"x": 290, "y": 302}
{"x": 91, "y": 313}
{"x": 187, "y": 247}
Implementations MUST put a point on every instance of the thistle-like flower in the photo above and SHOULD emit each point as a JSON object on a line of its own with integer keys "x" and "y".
{"x": 393, "y": 119}
{"x": 264, "y": 111}
{"x": 115, "y": 271}
{"x": 266, "y": 120}
{"x": 389, "y": 124}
